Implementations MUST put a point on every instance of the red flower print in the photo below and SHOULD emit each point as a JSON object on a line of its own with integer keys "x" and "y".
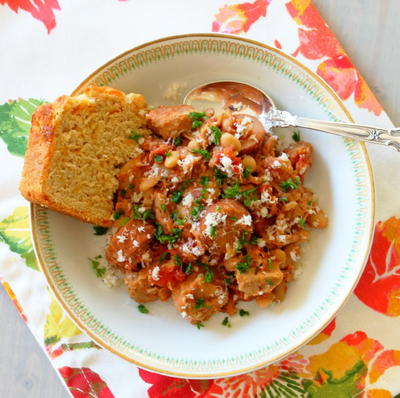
{"x": 325, "y": 334}
{"x": 238, "y": 18}
{"x": 42, "y": 10}
{"x": 316, "y": 41}
{"x": 379, "y": 286}
{"x": 84, "y": 383}
{"x": 172, "y": 387}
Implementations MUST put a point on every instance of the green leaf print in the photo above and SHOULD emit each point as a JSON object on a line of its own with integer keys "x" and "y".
{"x": 346, "y": 386}
{"x": 15, "y": 121}
{"x": 58, "y": 325}
{"x": 14, "y": 231}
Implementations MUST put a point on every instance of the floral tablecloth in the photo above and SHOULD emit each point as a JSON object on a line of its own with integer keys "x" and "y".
{"x": 48, "y": 47}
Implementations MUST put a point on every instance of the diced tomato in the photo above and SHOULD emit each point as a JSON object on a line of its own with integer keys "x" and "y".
{"x": 169, "y": 275}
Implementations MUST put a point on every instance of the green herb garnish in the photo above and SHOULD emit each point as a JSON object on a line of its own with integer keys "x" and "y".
{"x": 189, "y": 269}
{"x": 199, "y": 303}
{"x": 197, "y": 115}
{"x": 226, "y": 322}
{"x": 177, "y": 260}
{"x": 296, "y": 136}
{"x": 244, "y": 266}
{"x": 204, "y": 181}
{"x": 220, "y": 177}
{"x": 203, "y": 152}
{"x": 233, "y": 191}
{"x": 100, "y": 271}
{"x": 241, "y": 241}
{"x": 100, "y": 230}
{"x": 290, "y": 184}
{"x": 196, "y": 124}
{"x": 270, "y": 282}
{"x": 143, "y": 309}
{"x": 213, "y": 231}
{"x": 253, "y": 240}
{"x": 216, "y": 132}
{"x": 197, "y": 208}
{"x": 209, "y": 276}
{"x": 199, "y": 325}
{"x": 162, "y": 257}
{"x": 130, "y": 186}
{"x": 246, "y": 172}
{"x": 158, "y": 158}
{"x": 270, "y": 264}
{"x": 244, "y": 312}
{"x": 148, "y": 215}
{"x": 176, "y": 196}
{"x": 249, "y": 195}
{"x": 302, "y": 222}
{"x": 164, "y": 238}
{"x": 177, "y": 141}
{"x": 284, "y": 199}
{"x": 135, "y": 136}
{"x": 136, "y": 212}
{"x": 176, "y": 219}
{"x": 117, "y": 214}
{"x": 163, "y": 207}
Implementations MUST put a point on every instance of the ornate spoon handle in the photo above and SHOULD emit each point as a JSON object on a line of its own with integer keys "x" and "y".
{"x": 371, "y": 134}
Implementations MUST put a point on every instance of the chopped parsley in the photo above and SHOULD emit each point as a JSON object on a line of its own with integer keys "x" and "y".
{"x": 189, "y": 269}
{"x": 168, "y": 154}
{"x": 164, "y": 238}
{"x": 176, "y": 196}
{"x": 199, "y": 325}
{"x": 177, "y": 260}
{"x": 196, "y": 124}
{"x": 245, "y": 265}
{"x": 148, "y": 215}
{"x": 197, "y": 208}
{"x": 220, "y": 177}
{"x": 100, "y": 271}
{"x": 241, "y": 241}
{"x": 158, "y": 158}
{"x": 226, "y": 322}
{"x": 135, "y": 136}
{"x": 270, "y": 282}
{"x": 117, "y": 214}
{"x": 213, "y": 231}
{"x": 177, "y": 141}
{"x": 176, "y": 219}
{"x": 229, "y": 279}
{"x": 204, "y": 181}
{"x": 246, "y": 172}
{"x": 244, "y": 312}
{"x": 130, "y": 186}
{"x": 203, "y": 152}
{"x": 136, "y": 213}
{"x": 249, "y": 195}
{"x": 199, "y": 303}
{"x": 143, "y": 309}
{"x": 197, "y": 115}
{"x": 253, "y": 240}
{"x": 163, "y": 207}
{"x": 216, "y": 132}
{"x": 302, "y": 222}
{"x": 270, "y": 264}
{"x": 100, "y": 230}
{"x": 290, "y": 184}
{"x": 163, "y": 257}
{"x": 296, "y": 136}
{"x": 232, "y": 191}
{"x": 209, "y": 276}
{"x": 284, "y": 199}
{"x": 310, "y": 202}
{"x": 123, "y": 192}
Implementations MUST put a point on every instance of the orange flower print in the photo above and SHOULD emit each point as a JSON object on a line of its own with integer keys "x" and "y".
{"x": 325, "y": 334}
{"x": 13, "y": 298}
{"x": 316, "y": 41}
{"x": 238, "y": 18}
{"x": 41, "y": 10}
{"x": 379, "y": 286}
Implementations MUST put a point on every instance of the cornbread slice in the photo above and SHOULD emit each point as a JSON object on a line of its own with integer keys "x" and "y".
{"x": 76, "y": 146}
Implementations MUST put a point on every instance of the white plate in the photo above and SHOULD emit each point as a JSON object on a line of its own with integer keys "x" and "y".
{"x": 164, "y": 71}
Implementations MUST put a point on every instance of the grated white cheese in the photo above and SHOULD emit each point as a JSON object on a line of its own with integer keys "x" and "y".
{"x": 141, "y": 209}
{"x": 135, "y": 243}
{"x": 120, "y": 256}
{"x": 187, "y": 163}
{"x": 155, "y": 273}
{"x": 243, "y": 126}
{"x": 141, "y": 229}
{"x": 212, "y": 220}
{"x": 148, "y": 236}
{"x": 261, "y": 243}
{"x": 190, "y": 247}
{"x": 245, "y": 220}
{"x": 190, "y": 296}
{"x": 267, "y": 198}
{"x": 188, "y": 200}
{"x": 121, "y": 238}
{"x": 184, "y": 314}
{"x": 294, "y": 256}
{"x": 263, "y": 212}
{"x": 174, "y": 179}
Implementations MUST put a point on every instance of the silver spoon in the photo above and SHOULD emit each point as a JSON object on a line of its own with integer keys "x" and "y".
{"x": 244, "y": 98}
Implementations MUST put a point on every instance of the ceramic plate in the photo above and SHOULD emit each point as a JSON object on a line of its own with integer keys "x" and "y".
{"x": 164, "y": 71}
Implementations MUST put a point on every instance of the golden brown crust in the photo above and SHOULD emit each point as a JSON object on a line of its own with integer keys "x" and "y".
{"x": 41, "y": 145}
